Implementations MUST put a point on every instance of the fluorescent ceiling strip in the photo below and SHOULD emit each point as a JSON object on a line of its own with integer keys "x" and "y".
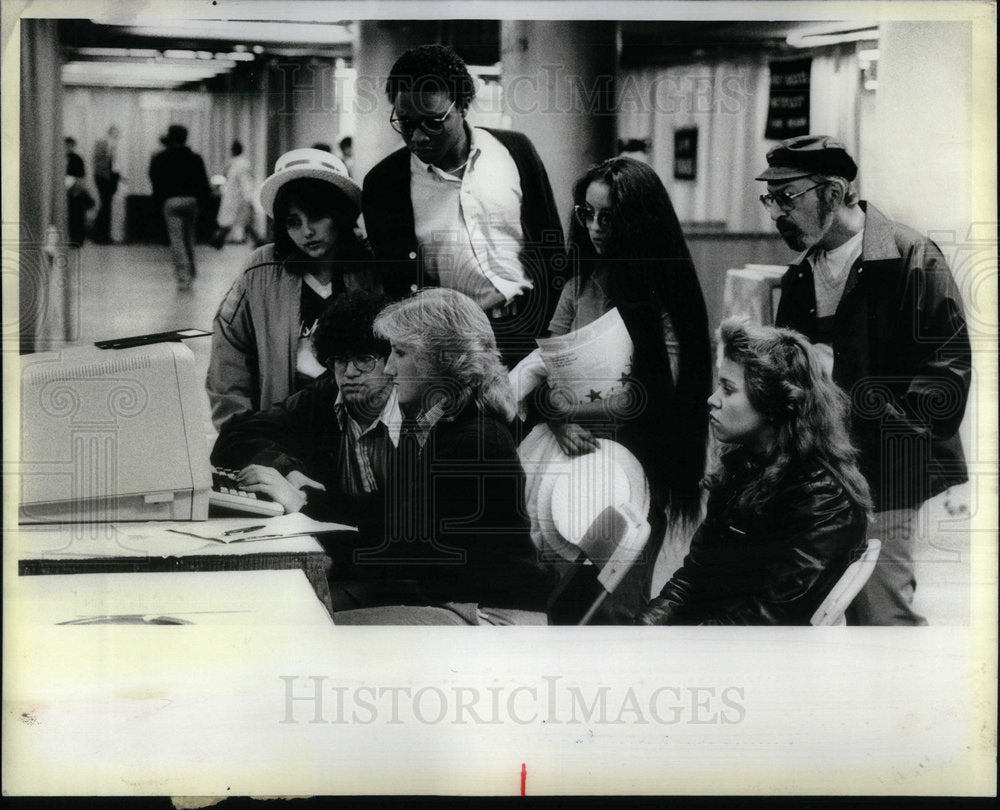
{"x": 280, "y": 32}
{"x": 831, "y": 34}
{"x": 111, "y": 68}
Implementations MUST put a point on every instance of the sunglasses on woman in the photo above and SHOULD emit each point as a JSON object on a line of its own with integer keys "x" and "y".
{"x": 585, "y": 215}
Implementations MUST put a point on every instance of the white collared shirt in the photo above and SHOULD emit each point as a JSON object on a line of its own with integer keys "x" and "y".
{"x": 469, "y": 227}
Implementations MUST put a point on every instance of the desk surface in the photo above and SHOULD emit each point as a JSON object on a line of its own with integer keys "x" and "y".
{"x": 85, "y": 549}
{"x": 204, "y": 598}
{"x": 104, "y": 540}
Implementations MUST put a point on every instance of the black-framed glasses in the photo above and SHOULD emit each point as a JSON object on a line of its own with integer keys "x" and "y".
{"x": 363, "y": 363}
{"x": 431, "y": 125}
{"x": 585, "y": 215}
{"x": 783, "y": 199}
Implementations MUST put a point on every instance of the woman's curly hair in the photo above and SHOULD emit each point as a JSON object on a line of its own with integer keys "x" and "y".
{"x": 786, "y": 382}
{"x": 454, "y": 340}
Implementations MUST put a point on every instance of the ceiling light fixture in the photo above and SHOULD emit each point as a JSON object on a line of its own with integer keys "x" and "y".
{"x": 814, "y": 36}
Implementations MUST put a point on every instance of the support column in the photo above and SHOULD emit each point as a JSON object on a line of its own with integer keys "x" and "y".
{"x": 558, "y": 80}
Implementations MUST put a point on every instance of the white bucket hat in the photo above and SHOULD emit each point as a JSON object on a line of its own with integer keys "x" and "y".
{"x": 575, "y": 490}
{"x": 314, "y": 163}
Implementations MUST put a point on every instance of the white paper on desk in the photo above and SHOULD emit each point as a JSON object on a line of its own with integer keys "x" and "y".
{"x": 590, "y": 363}
{"x": 228, "y": 530}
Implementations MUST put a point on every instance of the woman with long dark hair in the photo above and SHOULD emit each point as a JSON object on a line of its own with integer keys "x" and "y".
{"x": 787, "y": 507}
{"x": 630, "y": 255}
{"x": 261, "y": 351}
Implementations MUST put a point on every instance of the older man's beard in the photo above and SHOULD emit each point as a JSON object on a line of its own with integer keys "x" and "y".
{"x": 791, "y": 234}
{"x": 796, "y": 238}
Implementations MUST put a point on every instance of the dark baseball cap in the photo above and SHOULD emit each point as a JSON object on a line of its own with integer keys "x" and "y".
{"x": 809, "y": 154}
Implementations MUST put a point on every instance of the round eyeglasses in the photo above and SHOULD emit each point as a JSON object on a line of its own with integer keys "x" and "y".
{"x": 431, "y": 125}
{"x": 363, "y": 363}
{"x": 783, "y": 199}
{"x": 585, "y": 215}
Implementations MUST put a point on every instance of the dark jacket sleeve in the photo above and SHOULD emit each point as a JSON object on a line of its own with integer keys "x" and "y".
{"x": 300, "y": 434}
{"x": 941, "y": 361}
{"x": 774, "y": 575}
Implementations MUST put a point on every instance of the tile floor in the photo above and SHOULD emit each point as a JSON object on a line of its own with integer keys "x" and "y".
{"x": 130, "y": 290}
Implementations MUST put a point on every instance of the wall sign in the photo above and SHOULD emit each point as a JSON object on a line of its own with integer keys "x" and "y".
{"x": 685, "y": 153}
{"x": 788, "y": 105}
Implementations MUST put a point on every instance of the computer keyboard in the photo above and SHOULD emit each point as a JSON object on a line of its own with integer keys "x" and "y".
{"x": 226, "y": 493}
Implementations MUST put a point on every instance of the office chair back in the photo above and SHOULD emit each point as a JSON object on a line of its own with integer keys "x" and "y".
{"x": 831, "y": 610}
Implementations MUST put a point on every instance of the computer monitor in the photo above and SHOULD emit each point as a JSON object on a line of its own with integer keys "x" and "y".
{"x": 113, "y": 435}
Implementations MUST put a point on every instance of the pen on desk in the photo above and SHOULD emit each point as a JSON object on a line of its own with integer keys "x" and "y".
{"x": 262, "y": 537}
{"x": 244, "y": 530}
{"x": 192, "y": 534}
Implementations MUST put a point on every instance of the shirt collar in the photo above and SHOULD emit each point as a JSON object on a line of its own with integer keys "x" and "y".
{"x": 841, "y": 253}
{"x": 425, "y": 421}
{"x": 859, "y": 237}
{"x": 389, "y": 416}
{"x": 475, "y": 149}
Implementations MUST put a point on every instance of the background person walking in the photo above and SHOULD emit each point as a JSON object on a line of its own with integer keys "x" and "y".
{"x": 179, "y": 185}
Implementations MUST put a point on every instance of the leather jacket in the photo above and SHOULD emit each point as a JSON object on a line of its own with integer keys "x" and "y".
{"x": 768, "y": 568}
{"x": 902, "y": 353}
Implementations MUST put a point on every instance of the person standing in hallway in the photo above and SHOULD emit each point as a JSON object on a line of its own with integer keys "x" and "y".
{"x": 78, "y": 199}
{"x": 180, "y": 184}
{"x": 106, "y": 179}
{"x": 236, "y": 207}
{"x": 463, "y": 207}
{"x": 347, "y": 153}
{"x": 879, "y": 301}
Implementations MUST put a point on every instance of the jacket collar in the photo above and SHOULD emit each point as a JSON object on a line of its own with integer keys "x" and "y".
{"x": 879, "y": 243}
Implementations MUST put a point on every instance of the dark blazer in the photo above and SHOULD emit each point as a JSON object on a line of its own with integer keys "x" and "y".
{"x": 453, "y": 519}
{"x": 772, "y": 567}
{"x": 388, "y": 212}
{"x": 901, "y": 351}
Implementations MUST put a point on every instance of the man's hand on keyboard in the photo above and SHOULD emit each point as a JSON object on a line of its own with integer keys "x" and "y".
{"x": 300, "y": 480}
{"x": 267, "y": 480}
